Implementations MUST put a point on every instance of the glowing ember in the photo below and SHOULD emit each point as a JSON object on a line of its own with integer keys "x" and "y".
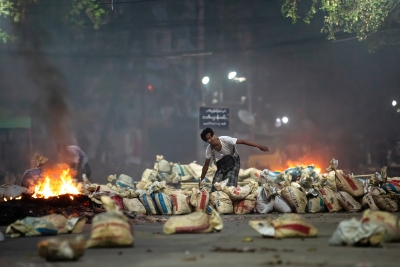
{"x": 18, "y": 197}
{"x": 56, "y": 185}
{"x": 5, "y": 199}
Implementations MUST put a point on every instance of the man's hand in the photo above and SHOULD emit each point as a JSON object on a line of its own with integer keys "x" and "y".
{"x": 263, "y": 148}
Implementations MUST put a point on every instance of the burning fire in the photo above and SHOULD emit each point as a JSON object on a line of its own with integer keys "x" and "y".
{"x": 56, "y": 185}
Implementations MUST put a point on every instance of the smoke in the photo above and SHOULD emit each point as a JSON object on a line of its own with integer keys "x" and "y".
{"x": 51, "y": 111}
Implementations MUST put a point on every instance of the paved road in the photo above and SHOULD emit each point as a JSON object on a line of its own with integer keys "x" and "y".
{"x": 153, "y": 248}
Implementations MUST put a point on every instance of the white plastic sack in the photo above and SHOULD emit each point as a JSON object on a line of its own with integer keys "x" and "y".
{"x": 265, "y": 202}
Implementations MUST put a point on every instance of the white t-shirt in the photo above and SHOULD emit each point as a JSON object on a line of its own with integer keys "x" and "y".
{"x": 227, "y": 143}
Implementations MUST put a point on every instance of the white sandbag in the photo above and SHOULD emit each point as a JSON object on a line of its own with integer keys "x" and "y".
{"x": 264, "y": 202}
{"x": 195, "y": 170}
{"x": 163, "y": 203}
{"x": 134, "y": 205}
{"x": 149, "y": 204}
{"x": 281, "y": 205}
{"x": 347, "y": 202}
{"x": 180, "y": 203}
{"x": 221, "y": 202}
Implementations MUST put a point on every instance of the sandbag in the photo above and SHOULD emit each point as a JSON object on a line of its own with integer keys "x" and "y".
{"x": 374, "y": 228}
{"x": 367, "y": 202}
{"x": 221, "y": 202}
{"x": 316, "y": 204}
{"x": 180, "y": 203}
{"x": 264, "y": 202}
{"x": 163, "y": 203}
{"x": 199, "y": 199}
{"x": 196, "y": 222}
{"x": 179, "y": 169}
{"x": 134, "y": 205}
{"x": 296, "y": 198}
{"x": 245, "y": 206}
{"x": 330, "y": 199}
{"x": 347, "y": 202}
{"x": 149, "y": 204}
{"x": 52, "y": 224}
{"x": 346, "y": 183}
{"x": 111, "y": 228}
{"x": 149, "y": 175}
{"x": 287, "y": 225}
{"x": 239, "y": 193}
{"x": 383, "y": 202}
{"x": 281, "y": 205}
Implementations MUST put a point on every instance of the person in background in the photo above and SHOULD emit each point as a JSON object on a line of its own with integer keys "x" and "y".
{"x": 76, "y": 160}
{"x": 224, "y": 145}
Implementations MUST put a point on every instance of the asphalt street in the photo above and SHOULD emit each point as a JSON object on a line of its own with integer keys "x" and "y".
{"x": 153, "y": 248}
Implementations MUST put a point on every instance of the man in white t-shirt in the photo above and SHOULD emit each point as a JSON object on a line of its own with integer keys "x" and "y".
{"x": 224, "y": 145}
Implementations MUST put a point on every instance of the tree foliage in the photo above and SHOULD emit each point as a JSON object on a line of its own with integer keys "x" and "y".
{"x": 78, "y": 12}
{"x": 364, "y": 18}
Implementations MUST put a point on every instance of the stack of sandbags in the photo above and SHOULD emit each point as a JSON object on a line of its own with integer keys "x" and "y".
{"x": 229, "y": 199}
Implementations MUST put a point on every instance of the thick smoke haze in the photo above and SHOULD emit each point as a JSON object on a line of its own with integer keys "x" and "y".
{"x": 132, "y": 89}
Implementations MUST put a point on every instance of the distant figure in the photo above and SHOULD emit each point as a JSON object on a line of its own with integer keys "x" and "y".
{"x": 76, "y": 159}
{"x": 33, "y": 175}
{"x": 226, "y": 146}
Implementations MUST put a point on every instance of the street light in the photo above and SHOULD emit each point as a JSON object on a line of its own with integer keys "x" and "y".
{"x": 285, "y": 119}
{"x": 205, "y": 80}
{"x": 231, "y": 75}
{"x": 394, "y": 103}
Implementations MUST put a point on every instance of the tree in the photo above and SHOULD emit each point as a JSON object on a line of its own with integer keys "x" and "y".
{"x": 377, "y": 21}
{"x": 78, "y": 12}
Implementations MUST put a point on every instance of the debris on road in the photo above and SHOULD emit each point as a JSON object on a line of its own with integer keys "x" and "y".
{"x": 244, "y": 249}
{"x": 62, "y": 249}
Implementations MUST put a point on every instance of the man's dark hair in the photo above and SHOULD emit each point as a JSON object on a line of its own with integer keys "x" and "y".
{"x": 205, "y": 132}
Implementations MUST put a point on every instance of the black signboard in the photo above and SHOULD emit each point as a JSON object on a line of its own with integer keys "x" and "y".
{"x": 217, "y": 118}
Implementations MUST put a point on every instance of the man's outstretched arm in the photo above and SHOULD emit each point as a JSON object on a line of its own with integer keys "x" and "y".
{"x": 248, "y": 143}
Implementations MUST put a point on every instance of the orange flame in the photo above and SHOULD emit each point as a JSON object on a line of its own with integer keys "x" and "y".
{"x": 57, "y": 185}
